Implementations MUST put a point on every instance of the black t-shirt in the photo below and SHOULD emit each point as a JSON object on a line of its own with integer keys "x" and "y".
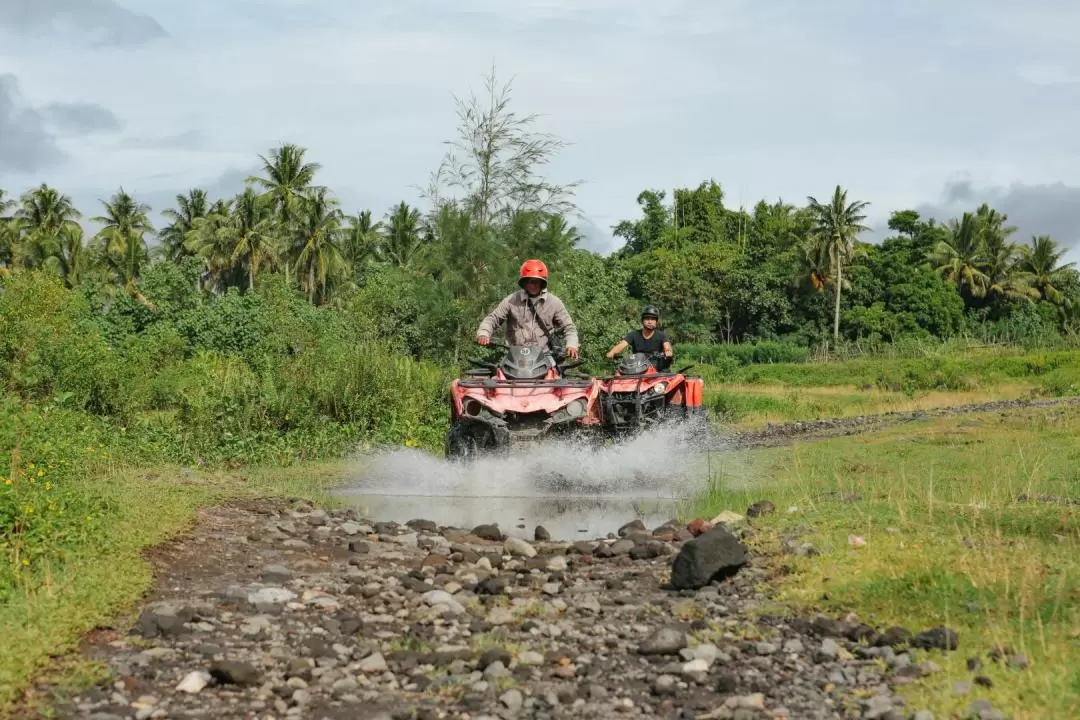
{"x": 640, "y": 344}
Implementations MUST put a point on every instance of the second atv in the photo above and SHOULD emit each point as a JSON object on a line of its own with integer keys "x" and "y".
{"x": 639, "y": 396}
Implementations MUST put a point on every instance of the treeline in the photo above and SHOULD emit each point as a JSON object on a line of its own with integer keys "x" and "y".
{"x": 423, "y": 277}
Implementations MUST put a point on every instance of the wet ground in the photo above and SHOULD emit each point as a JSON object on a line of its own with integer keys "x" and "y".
{"x": 573, "y": 492}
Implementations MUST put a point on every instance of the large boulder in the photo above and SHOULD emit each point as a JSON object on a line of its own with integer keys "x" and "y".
{"x": 713, "y": 555}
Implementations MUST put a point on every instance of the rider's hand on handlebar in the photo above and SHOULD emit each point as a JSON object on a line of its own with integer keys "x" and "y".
{"x": 483, "y": 340}
{"x": 572, "y": 352}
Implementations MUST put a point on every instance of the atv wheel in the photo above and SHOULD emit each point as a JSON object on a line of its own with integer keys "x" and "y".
{"x": 465, "y": 444}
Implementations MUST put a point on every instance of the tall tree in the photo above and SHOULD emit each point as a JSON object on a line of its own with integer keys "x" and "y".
{"x": 960, "y": 256}
{"x": 43, "y": 214}
{"x": 400, "y": 239}
{"x": 252, "y": 233}
{"x": 495, "y": 160}
{"x": 837, "y": 224}
{"x": 1040, "y": 267}
{"x": 174, "y": 236}
{"x": 125, "y": 224}
{"x": 317, "y": 252}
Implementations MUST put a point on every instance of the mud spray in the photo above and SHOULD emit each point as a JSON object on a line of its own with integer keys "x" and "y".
{"x": 573, "y": 490}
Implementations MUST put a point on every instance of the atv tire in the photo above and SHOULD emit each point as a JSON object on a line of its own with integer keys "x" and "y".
{"x": 465, "y": 443}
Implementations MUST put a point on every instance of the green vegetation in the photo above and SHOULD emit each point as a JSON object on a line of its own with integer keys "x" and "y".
{"x": 271, "y": 328}
{"x": 947, "y": 541}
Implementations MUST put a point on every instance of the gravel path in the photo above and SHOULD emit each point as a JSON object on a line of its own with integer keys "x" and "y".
{"x": 281, "y": 610}
{"x": 786, "y": 433}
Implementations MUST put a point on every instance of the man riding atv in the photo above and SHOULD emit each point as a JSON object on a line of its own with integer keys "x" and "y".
{"x": 531, "y": 314}
{"x": 648, "y": 340}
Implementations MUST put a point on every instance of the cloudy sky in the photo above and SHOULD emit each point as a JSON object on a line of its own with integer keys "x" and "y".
{"x": 937, "y": 106}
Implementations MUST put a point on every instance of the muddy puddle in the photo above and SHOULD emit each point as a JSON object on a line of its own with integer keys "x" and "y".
{"x": 574, "y": 492}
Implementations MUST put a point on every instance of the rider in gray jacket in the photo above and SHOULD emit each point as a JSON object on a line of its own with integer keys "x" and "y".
{"x": 531, "y": 314}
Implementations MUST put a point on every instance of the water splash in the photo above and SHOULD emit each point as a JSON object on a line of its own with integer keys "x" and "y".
{"x": 663, "y": 463}
{"x": 577, "y": 491}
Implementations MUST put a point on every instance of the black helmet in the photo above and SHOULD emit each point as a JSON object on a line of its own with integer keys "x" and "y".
{"x": 650, "y": 311}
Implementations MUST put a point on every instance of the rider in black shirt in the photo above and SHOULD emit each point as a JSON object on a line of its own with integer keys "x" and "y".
{"x": 647, "y": 340}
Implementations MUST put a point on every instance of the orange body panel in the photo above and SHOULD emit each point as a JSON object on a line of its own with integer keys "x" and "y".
{"x": 694, "y": 388}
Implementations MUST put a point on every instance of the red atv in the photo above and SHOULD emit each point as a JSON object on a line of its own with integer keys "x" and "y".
{"x": 528, "y": 396}
{"x": 525, "y": 397}
{"x": 639, "y": 395}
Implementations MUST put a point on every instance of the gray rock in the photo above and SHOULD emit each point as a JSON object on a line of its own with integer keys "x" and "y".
{"x": 714, "y": 555}
{"x": 374, "y": 663}
{"x": 488, "y": 532}
{"x": 164, "y": 619}
{"x": 235, "y": 673}
{"x": 512, "y": 700}
{"x": 665, "y": 685}
{"x": 829, "y": 649}
{"x": 665, "y": 641}
{"x": 518, "y": 547}
{"x": 939, "y": 638}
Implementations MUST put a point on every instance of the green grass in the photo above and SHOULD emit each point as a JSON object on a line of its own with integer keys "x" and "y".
{"x": 947, "y": 542}
{"x": 50, "y": 613}
{"x": 785, "y": 392}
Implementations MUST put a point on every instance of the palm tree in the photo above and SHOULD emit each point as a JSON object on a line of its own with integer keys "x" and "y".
{"x": 189, "y": 208}
{"x": 8, "y": 233}
{"x": 71, "y": 260}
{"x": 42, "y": 215}
{"x": 252, "y": 232}
{"x": 1039, "y": 267}
{"x": 360, "y": 240}
{"x": 286, "y": 179}
{"x": 122, "y": 237}
{"x": 961, "y": 256}
{"x": 209, "y": 240}
{"x": 317, "y": 253}
{"x": 401, "y": 238}
{"x": 837, "y": 224}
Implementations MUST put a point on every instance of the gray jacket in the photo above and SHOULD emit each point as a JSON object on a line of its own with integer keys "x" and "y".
{"x": 521, "y": 325}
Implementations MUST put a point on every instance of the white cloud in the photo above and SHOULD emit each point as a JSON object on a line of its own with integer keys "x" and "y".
{"x": 770, "y": 99}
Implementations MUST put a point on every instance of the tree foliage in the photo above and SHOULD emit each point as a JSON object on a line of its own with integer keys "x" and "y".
{"x": 421, "y": 278}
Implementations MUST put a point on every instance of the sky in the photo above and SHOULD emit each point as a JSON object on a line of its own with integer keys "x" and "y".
{"x": 932, "y": 106}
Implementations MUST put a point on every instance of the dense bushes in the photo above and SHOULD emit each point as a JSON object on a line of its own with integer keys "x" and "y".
{"x": 261, "y": 377}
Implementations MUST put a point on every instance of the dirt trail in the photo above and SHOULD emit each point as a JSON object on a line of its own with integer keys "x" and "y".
{"x": 787, "y": 433}
{"x": 281, "y": 610}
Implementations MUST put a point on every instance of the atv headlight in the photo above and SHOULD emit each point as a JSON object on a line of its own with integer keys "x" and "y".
{"x": 576, "y": 409}
{"x": 659, "y": 388}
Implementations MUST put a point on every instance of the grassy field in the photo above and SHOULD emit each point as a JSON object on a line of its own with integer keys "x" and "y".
{"x": 946, "y": 542}
{"x": 752, "y": 395}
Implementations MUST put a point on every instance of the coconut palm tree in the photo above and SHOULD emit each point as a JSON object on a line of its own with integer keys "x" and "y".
{"x": 122, "y": 238}
{"x": 173, "y": 236}
{"x": 317, "y": 251}
{"x": 960, "y": 256}
{"x": 401, "y": 238}
{"x": 252, "y": 233}
{"x": 837, "y": 224}
{"x": 1039, "y": 267}
{"x": 43, "y": 214}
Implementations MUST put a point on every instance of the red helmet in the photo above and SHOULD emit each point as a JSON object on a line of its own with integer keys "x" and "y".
{"x": 533, "y": 269}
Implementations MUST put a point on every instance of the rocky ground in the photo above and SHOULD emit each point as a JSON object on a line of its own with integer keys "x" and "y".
{"x": 282, "y": 610}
